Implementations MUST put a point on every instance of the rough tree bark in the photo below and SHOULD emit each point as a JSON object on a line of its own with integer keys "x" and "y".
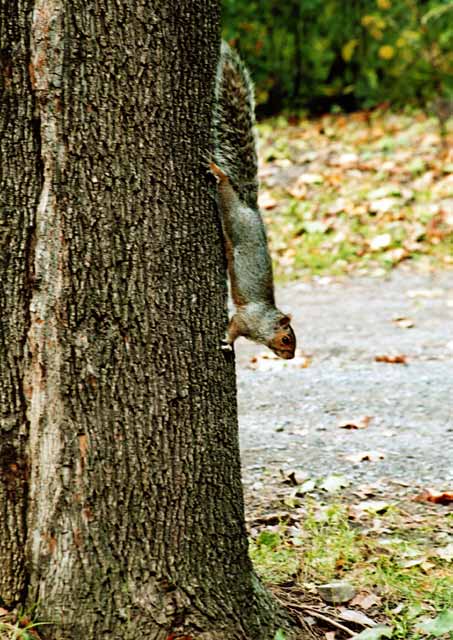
{"x": 121, "y": 503}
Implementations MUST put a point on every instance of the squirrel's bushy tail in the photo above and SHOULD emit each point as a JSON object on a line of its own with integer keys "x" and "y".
{"x": 234, "y": 126}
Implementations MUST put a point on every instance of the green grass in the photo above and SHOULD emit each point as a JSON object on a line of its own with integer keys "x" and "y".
{"x": 274, "y": 559}
{"x": 378, "y": 554}
{"x": 19, "y": 626}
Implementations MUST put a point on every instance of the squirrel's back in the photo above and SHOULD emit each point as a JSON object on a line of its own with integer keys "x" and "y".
{"x": 234, "y": 126}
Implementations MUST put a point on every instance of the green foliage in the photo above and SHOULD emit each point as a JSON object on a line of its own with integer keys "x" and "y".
{"x": 321, "y": 53}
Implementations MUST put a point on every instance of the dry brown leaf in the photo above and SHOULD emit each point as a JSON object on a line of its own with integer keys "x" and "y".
{"x": 270, "y": 519}
{"x": 396, "y": 359}
{"x": 293, "y": 478}
{"x": 365, "y": 600}
{"x": 438, "y": 497}
{"x": 403, "y": 322}
{"x": 362, "y": 423}
{"x": 365, "y": 456}
{"x": 266, "y": 201}
{"x": 298, "y": 190}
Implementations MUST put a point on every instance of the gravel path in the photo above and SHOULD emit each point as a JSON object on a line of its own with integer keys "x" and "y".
{"x": 290, "y": 415}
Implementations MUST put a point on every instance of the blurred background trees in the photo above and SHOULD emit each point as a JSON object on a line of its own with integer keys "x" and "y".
{"x": 319, "y": 55}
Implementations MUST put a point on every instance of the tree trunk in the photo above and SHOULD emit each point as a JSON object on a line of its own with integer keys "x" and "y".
{"x": 113, "y": 283}
{"x": 20, "y": 184}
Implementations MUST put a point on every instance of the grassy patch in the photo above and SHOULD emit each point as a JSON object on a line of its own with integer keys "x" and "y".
{"x": 357, "y": 193}
{"x": 404, "y": 561}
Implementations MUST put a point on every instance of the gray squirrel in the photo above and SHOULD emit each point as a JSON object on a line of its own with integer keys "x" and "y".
{"x": 235, "y": 166}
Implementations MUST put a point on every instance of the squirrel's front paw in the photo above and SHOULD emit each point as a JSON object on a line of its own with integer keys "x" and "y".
{"x": 225, "y": 345}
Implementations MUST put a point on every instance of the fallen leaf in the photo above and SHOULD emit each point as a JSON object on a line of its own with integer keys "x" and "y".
{"x": 338, "y": 206}
{"x": 344, "y": 160}
{"x": 266, "y": 201}
{"x": 310, "y": 178}
{"x": 440, "y": 625}
{"x": 316, "y": 226}
{"x": 371, "y": 456}
{"x": 305, "y": 487}
{"x": 362, "y": 423}
{"x": 375, "y": 633}
{"x": 356, "y": 616}
{"x": 396, "y": 359}
{"x": 396, "y": 255}
{"x": 273, "y": 518}
{"x": 366, "y": 600}
{"x": 373, "y": 506}
{"x": 383, "y": 205}
{"x": 380, "y": 242}
{"x": 334, "y": 483}
{"x": 298, "y": 190}
{"x": 446, "y": 553}
{"x": 444, "y": 497}
{"x": 403, "y": 322}
{"x": 392, "y": 189}
{"x": 293, "y": 478}
{"x": 416, "y": 562}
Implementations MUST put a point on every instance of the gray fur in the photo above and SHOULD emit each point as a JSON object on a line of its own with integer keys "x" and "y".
{"x": 236, "y": 168}
{"x": 234, "y": 125}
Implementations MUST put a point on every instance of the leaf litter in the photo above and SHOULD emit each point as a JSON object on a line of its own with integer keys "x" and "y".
{"x": 390, "y": 530}
{"x": 347, "y": 194}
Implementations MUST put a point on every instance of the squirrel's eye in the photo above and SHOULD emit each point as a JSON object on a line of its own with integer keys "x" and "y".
{"x": 286, "y": 340}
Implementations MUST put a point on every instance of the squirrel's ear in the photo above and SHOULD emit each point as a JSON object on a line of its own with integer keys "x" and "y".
{"x": 284, "y": 322}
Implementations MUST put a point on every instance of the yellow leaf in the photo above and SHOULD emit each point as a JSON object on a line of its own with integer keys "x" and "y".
{"x": 386, "y": 52}
{"x": 367, "y": 20}
{"x": 383, "y": 4}
{"x": 347, "y": 50}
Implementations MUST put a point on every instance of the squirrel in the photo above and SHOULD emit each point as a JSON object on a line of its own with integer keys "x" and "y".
{"x": 235, "y": 167}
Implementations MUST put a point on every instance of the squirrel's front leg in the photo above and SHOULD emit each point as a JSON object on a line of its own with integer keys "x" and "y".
{"x": 235, "y": 329}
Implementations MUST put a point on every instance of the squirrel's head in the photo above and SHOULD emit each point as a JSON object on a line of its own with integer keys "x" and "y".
{"x": 283, "y": 343}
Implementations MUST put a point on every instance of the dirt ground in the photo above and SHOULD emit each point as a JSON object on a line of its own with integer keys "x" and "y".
{"x": 290, "y": 413}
